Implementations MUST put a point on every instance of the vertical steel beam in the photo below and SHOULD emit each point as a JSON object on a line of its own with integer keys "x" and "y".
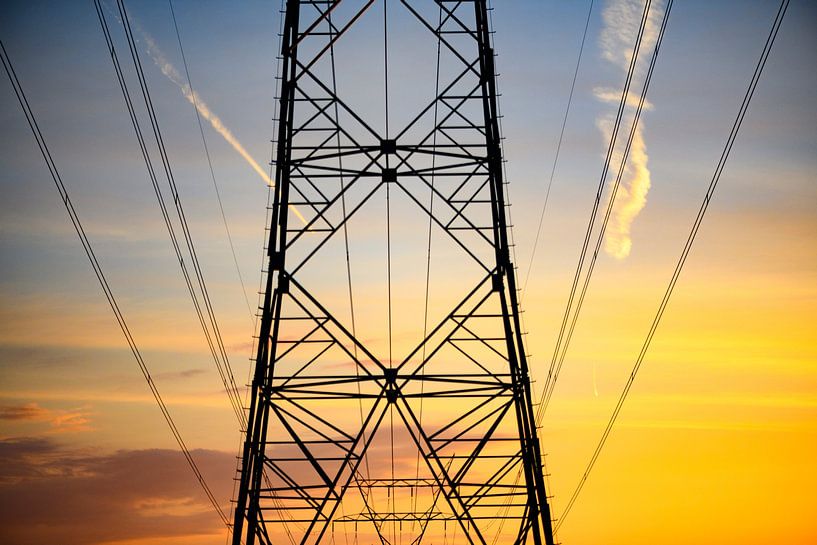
{"x": 252, "y": 462}
{"x": 539, "y": 509}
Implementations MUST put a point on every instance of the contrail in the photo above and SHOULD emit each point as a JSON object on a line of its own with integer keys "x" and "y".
{"x": 621, "y": 19}
{"x": 173, "y": 75}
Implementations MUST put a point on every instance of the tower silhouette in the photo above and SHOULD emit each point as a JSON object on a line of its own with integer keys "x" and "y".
{"x": 391, "y": 398}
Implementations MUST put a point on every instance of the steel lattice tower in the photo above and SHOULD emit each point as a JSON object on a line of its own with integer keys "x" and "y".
{"x": 417, "y": 427}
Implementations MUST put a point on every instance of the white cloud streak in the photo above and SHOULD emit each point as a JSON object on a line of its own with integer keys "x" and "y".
{"x": 173, "y": 75}
{"x": 621, "y": 23}
{"x": 632, "y": 193}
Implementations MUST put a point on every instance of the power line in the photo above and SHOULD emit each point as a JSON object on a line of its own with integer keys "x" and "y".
{"x": 210, "y": 162}
{"x": 558, "y": 149}
{"x": 685, "y": 252}
{"x": 610, "y": 204}
{"x": 217, "y": 349}
{"x": 553, "y": 370}
{"x": 103, "y": 282}
{"x": 415, "y": 497}
{"x": 232, "y": 389}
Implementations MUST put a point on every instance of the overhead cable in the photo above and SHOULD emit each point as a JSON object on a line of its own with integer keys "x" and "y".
{"x": 214, "y": 340}
{"x": 558, "y": 150}
{"x": 194, "y": 97}
{"x": 554, "y": 369}
{"x": 608, "y": 212}
{"x": 103, "y": 282}
{"x": 747, "y": 97}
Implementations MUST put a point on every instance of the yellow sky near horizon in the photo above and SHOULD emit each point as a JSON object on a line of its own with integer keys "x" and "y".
{"x": 721, "y": 424}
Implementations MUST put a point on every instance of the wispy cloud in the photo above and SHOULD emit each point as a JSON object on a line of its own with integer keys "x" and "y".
{"x": 621, "y": 23}
{"x": 212, "y": 399}
{"x": 180, "y": 375}
{"x": 60, "y": 420}
{"x": 612, "y": 96}
{"x": 622, "y": 19}
{"x": 31, "y": 411}
{"x": 204, "y": 110}
{"x": 631, "y": 196}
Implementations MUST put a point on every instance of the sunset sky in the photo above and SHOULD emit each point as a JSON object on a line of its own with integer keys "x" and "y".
{"x": 717, "y": 440}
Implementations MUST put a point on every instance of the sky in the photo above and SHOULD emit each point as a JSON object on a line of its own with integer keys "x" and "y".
{"x": 717, "y": 438}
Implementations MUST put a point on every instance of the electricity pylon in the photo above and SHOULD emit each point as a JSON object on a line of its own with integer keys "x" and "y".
{"x": 377, "y": 415}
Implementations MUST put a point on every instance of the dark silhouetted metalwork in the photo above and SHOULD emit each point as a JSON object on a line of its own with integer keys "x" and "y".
{"x": 424, "y": 434}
